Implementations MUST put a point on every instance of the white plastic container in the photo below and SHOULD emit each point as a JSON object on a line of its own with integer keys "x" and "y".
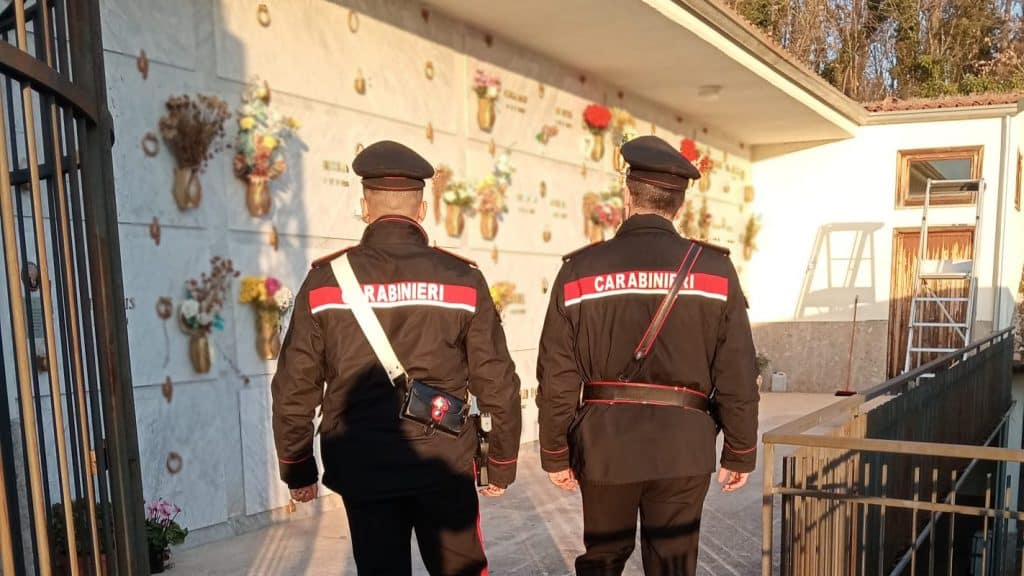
{"x": 779, "y": 382}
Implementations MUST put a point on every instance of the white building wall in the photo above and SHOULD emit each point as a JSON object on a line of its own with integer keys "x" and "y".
{"x": 854, "y": 181}
{"x": 802, "y": 188}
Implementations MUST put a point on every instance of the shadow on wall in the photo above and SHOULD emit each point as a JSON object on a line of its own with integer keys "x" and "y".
{"x": 841, "y": 270}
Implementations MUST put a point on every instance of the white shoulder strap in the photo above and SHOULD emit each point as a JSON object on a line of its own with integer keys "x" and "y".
{"x": 352, "y": 294}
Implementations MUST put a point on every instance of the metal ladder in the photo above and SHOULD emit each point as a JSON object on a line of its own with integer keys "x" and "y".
{"x": 943, "y": 270}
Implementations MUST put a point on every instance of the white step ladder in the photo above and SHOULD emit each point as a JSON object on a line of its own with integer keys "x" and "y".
{"x": 956, "y": 312}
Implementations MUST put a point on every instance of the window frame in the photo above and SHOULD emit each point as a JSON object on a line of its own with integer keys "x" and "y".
{"x": 904, "y": 157}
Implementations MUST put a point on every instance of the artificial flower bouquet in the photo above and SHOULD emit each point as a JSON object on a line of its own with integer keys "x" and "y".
{"x": 597, "y": 118}
{"x": 192, "y": 130}
{"x": 490, "y": 192}
{"x": 487, "y": 88}
{"x": 271, "y": 301}
{"x": 200, "y": 312}
{"x": 458, "y": 200}
{"x": 259, "y": 147}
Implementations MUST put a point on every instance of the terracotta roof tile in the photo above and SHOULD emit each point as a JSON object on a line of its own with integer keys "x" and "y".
{"x": 965, "y": 101}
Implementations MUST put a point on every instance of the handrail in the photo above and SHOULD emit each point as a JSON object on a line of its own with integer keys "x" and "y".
{"x": 791, "y": 433}
{"x": 801, "y": 433}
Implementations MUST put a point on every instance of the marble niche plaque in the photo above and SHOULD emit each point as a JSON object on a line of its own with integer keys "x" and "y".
{"x": 322, "y": 46}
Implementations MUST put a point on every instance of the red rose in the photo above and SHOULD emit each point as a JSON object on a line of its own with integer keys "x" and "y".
{"x": 597, "y": 117}
{"x": 688, "y": 149}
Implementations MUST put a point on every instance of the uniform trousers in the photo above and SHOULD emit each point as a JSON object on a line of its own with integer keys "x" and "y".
{"x": 447, "y": 526}
{"x": 670, "y": 512}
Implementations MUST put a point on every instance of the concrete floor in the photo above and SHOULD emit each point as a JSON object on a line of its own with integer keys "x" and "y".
{"x": 535, "y": 529}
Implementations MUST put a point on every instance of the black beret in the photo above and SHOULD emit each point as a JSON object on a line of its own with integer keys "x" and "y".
{"x": 388, "y": 165}
{"x": 653, "y": 160}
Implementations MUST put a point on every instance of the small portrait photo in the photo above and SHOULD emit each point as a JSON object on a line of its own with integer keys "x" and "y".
{"x": 32, "y": 277}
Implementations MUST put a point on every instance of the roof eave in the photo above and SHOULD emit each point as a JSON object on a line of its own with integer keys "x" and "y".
{"x": 744, "y": 35}
{"x": 943, "y": 114}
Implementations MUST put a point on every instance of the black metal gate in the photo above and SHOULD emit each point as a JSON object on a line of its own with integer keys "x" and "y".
{"x": 70, "y": 489}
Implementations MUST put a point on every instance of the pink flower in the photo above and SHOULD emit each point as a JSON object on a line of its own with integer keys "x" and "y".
{"x": 273, "y": 285}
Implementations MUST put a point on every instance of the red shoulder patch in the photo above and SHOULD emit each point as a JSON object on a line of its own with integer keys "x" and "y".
{"x": 325, "y": 259}
{"x": 456, "y": 256}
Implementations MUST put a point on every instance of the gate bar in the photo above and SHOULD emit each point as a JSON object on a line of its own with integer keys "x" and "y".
{"x": 56, "y": 398}
{"x": 6, "y": 542}
{"x": 69, "y": 282}
{"x": 23, "y": 365}
{"x": 121, "y": 448}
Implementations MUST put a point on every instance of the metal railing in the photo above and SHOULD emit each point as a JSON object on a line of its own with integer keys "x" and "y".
{"x": 70, "y": 483}
{"x": 909, "y": 477}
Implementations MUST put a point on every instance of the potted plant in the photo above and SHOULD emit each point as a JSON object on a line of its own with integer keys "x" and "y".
{"x": 487, "y": 88}
{"x": 270, "y": 301}
{"x": 597, "y": 118}
{"x": 199, "y": 313}
{"x": 192, "y": 130}
{"x": 259, "y": 147}
{"x": 62, "y": 557}
{"x": 162, "y": 532}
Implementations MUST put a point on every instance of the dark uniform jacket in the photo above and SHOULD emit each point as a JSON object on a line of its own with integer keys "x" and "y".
{"x": 437, "y": 311}
{"x": 602, "y": 302}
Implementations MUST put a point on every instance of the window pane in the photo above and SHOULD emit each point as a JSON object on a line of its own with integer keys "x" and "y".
{"x": 939, "y": 169}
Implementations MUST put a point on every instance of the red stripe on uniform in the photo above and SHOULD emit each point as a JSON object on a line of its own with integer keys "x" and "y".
{"x": 480, "y": 536}
{"x": 644, "y": 282}
{"x": 399, "y": 294}
{"x": 323, "y": 296}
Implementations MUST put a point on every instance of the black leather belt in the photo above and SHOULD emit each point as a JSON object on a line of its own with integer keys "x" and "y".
{"x": 643, "y": 393}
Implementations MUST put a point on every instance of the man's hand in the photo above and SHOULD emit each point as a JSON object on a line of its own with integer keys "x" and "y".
{"x": 565, "y": 479}
{"x": 492, "y": 491}
{"x": 732, "y": 481}
{"x": 306, "y": 494}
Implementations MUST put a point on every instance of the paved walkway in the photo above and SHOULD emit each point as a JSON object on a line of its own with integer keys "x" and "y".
{"x": 534, "y": 530}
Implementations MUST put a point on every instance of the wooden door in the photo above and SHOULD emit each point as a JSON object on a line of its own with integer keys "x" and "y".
{"x": 943, "y": 243}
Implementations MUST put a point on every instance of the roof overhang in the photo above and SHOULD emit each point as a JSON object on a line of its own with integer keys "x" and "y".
{"x": 666, "y": 50}
{"x": 943, "y": 114}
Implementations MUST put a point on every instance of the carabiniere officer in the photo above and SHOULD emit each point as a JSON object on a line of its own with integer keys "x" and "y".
{"x": 645, "y": 444}
{"x": 394, "y": 475}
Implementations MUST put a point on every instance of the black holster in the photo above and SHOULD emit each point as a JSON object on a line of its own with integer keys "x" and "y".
{"x": 482, "y": 451}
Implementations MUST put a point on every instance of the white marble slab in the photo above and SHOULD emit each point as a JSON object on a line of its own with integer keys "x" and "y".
{"x": 144, "y": 184}
{"x": 193, "y": 425}
{"x": 158, "y": 347}
{"x": 165, "y": 30}
{"x": 263, "y": 487}
{"x": 389, "y": 50}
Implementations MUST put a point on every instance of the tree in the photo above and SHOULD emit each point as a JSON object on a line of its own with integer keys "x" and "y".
{"x": 872, "y": 49}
